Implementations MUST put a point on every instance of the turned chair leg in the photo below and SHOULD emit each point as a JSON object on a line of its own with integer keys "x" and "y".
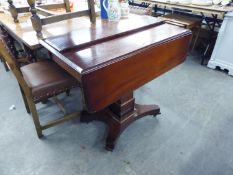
{"x": 4, "y": 63}
{"x": 6, "y": 67}
{"x": 25, "y": 100}
{"x": 35, "y": 117}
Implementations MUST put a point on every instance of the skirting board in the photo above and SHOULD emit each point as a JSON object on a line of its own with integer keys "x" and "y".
{"x": 222, "y": 65}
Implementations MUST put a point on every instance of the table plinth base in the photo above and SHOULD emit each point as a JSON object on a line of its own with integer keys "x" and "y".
{"x": 118, "y": 116}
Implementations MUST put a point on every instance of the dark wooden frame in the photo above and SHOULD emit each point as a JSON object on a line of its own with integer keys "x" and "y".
{"x": 26, "y": 91}
{"x": 38, "y": 22}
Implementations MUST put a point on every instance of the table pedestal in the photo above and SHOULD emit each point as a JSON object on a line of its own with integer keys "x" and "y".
{"x": 119, "y": 115}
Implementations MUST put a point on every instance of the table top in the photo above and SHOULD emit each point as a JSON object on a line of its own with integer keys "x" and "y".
{"x": 97, "y": 53}
{"x": 24, "y": 32}
{"x": 211, "y": 9}
{"x": 114, "y": 58}
{"x": 101, "y": 31}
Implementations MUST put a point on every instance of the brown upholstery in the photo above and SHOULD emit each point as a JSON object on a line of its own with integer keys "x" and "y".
{"x": 46, "y": 78}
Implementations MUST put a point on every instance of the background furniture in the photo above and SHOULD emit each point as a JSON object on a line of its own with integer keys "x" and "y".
{"x": 42, "y": 9}
{"x": 216, "y": 11}
{"x": 191, "y": 23}
{"x": 222, "y": 53}
{"x": 39, "y": 81}
{"x": 24, "y": 33}
{"x": 211, "y": 16}
{"x": 38, "y": 22}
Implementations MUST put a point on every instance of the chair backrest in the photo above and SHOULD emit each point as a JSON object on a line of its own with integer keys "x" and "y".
{"x": 8, "y": 40}
{"x": 6, "y": 52}
{"x": 12, "y": 62}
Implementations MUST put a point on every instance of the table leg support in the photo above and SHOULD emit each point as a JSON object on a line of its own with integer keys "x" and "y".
{"x": 120, "y": 115}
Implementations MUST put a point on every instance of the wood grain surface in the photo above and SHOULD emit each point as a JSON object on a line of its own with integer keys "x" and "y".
{"x": 116, "y": 66}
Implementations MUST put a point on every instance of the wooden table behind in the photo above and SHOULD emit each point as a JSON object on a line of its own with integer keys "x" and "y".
{"x": 211, "y": 9}
{"x": 24, "y": 33}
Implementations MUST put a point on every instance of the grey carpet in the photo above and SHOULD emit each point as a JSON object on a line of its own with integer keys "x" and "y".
{"x": 192, "y": 136}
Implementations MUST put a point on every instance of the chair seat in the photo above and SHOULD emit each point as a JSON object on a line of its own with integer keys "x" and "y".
{"x": 46, "y": 78}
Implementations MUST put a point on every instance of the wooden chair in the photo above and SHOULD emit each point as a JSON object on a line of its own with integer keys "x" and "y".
{"x": 191, "y": 23}
{"x": 39, "y": 81}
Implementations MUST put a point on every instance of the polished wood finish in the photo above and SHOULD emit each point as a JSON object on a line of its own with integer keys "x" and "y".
{"x": 98, "y": 60}
{"x": 114, "y": 59}
{"x": 100, "y": 32}
{"x": 24, "y": 33}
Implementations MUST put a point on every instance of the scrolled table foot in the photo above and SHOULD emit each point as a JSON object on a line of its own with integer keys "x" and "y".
{"x": 119, "y": 116}
{"x": 109, "y": 146}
